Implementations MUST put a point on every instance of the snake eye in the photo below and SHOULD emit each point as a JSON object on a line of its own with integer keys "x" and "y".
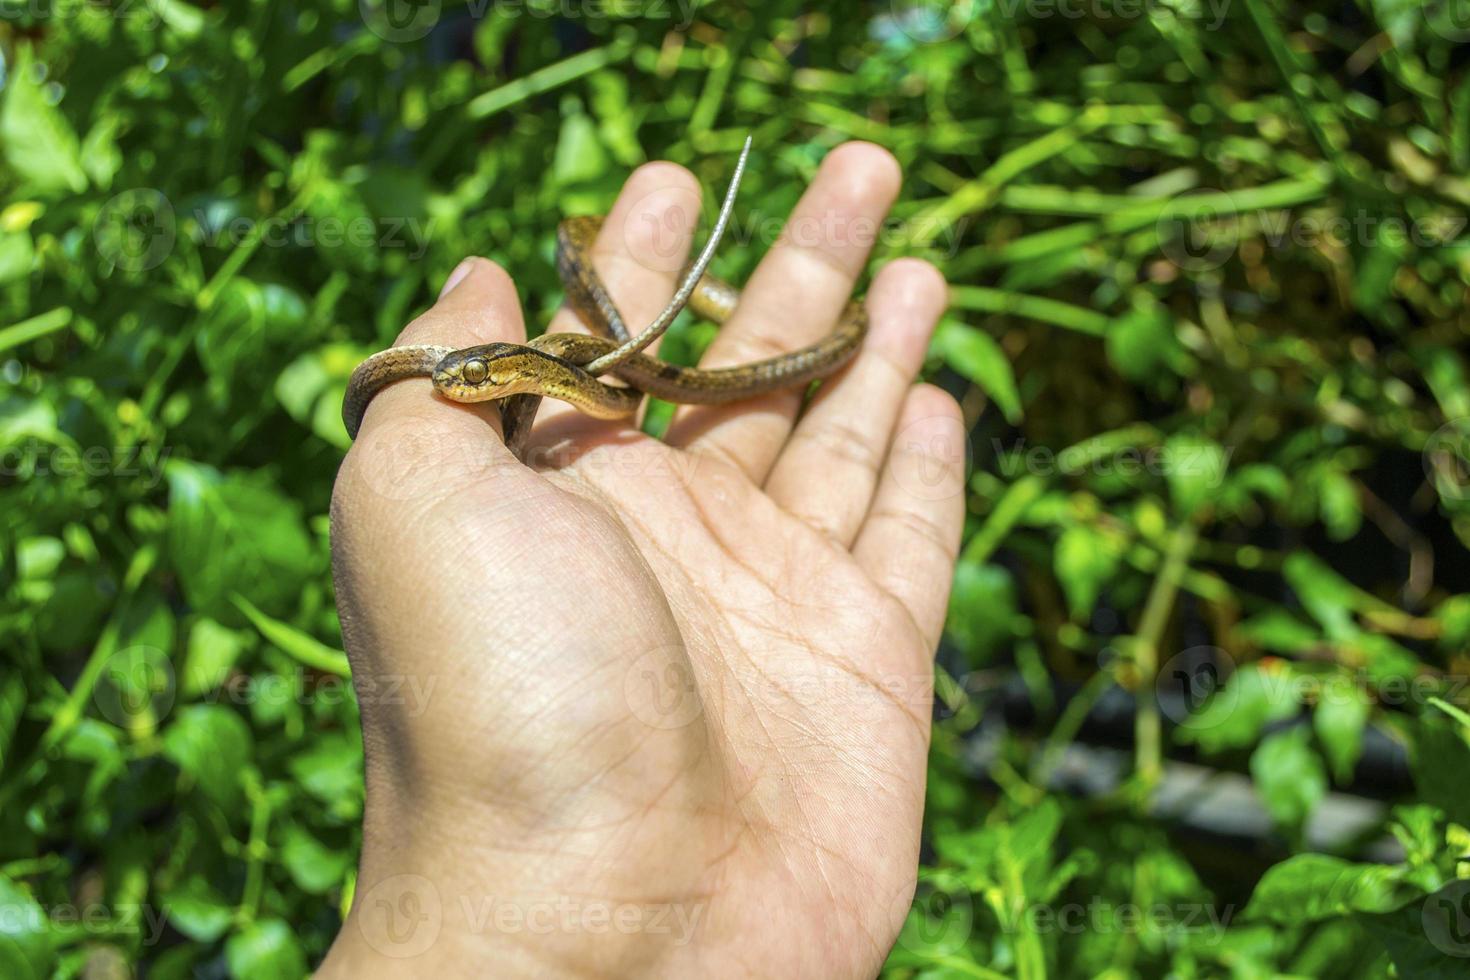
{"x": 475, "y": 371}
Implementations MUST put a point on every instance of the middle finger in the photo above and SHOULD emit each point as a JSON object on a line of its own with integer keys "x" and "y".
{"x": 794, "y": 298}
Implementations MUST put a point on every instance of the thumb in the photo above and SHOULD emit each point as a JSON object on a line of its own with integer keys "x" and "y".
{"x": 478, "y": 305}
{"x": 415, "y": 445}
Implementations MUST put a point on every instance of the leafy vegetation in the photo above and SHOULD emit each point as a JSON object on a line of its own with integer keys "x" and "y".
{"x": 1210, "y": 274}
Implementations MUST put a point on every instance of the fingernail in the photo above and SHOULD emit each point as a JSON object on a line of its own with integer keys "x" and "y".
{"x": 457, "y": 276}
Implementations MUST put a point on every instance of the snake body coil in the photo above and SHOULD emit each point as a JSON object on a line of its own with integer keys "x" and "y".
{"x": 565, "y": 365}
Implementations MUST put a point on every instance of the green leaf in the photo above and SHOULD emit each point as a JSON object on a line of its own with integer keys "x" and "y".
{"x": 1311, "y": 887}
{"x": 195, "y": 909}
{"x": 1388, "y": 664}
{"x": 1288, "y": 774}
{"x": 17, "y": 255}
{"x": 1142, "y": 342}
{"x": 94, "y": 742}
{"x": 1440, "y": 762}
{"x": 12, "y": 703}
{"x": 27, "y": 945}
{"x": 1419, "y": 828}
{"x": 938, "y": 924}
{"x": 1339, "y": 720}
{"x": 579, "y": 152}
{"x": 27, "y": 418}
{"x": 300, "y": 646}
{"x": 617, "y": 123}
{"x": 1277, "y": 630}
{"x": 300, "y": 385}
{"x": 1426, "y": 940}
{"x": 1379, "y": 261}
{"x": 314, "y": 867}
{"x": 1454, "y": 616}
{"x": 211, "y": 744}
{"x": 38, "y": 141}
{"x": 982, "y": 609}
{"x": 330, "y": 769}
{"x": 185, "y": 20}
{"x": 1337, "y": 497}
{"x": 1195, "y": 469}
{"x": 1256, "y": 479}
{"x": 245, "y": 324}
{"x": 267, "y": 949}
{"x": 1085, "y": 561}
{"x": 229, "y": 535}
{"x": 974, "y": 355}
{"x": 213, "y": 650}
{"x": 311, "y": 389}
{"x": 101, "y": 157}
{"x": 72, "y": 612}
{"x": 1327, "y": 596}
{"x": 39, "y": 557}
{"x": 1444, "y": 372}
{"x": 1029, "y": 838}
{"x": 1250, "y": 699}
{"x": 177, "y": 963}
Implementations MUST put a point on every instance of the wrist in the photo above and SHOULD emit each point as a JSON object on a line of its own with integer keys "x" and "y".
{"x": 435, "y": 898}
{"x": 454, "y": 927}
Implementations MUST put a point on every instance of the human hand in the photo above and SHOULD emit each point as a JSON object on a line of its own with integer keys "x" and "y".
{"x": 684, "y": 683}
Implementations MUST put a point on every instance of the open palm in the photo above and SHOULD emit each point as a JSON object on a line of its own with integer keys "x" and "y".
{"x": 643, "y": 707}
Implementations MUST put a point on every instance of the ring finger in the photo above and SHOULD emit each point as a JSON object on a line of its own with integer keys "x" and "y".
{"x": 828, "y": 469}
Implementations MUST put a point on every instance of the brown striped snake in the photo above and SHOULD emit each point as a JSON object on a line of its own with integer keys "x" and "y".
{"x": 567, "y": 365}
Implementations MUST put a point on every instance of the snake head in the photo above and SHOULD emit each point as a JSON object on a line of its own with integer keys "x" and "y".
{"x": 490, "y": 371}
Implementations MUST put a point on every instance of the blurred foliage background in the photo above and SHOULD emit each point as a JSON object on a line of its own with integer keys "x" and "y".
{"x": 1201, "y": 699}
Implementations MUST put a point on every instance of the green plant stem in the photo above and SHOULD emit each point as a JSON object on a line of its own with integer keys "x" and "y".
{"x": 1002, "y": 518}
{"x": 713, "y": 96}
{"x": 300, "y": 646}
{"x": 70, "y": 713}
{"x": 247, "y": 247}
{"x": 37, "y": 326}
{"x": 1449, "y": 709}
{"x": 1288, "y": 65}
{"x": 1055, "y": 312}
{"x": 551, "y": 77}
{"x": 256, "y": 850}
{"x": 969, "y": 968}
{"x": 33, "y": 866}
{"x": 1137, "y": 215}
{"x": 205, "y": 299}
{"x": 1030, "y": 956}
{"x": 1148, "y": 730}
{"x": 1068, "y": 725}
{"x": 978, "y": 194}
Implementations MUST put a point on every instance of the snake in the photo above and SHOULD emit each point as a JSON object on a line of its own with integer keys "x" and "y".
{"x": 567, "y": 366}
